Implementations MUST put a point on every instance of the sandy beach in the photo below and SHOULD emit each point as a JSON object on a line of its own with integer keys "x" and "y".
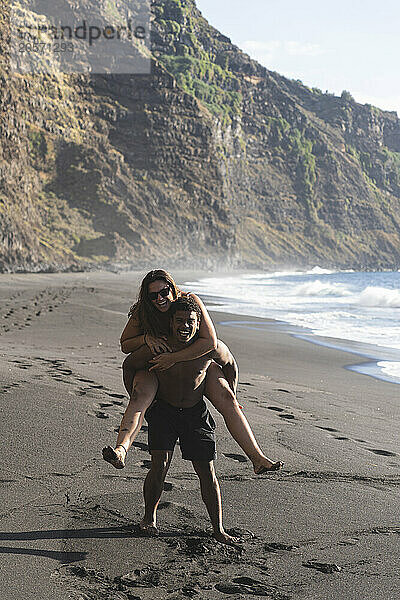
{"x": 325, "y": 527}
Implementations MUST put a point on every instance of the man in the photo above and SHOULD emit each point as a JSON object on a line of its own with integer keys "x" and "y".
{"x": 180, "y": 412}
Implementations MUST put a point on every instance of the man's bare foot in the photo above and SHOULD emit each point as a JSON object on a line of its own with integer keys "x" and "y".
{"x": 266, "y": 466}
{"x": 147, "y": 529}
{"x": 115, "y": 456}
{"x": 224, "y": 538}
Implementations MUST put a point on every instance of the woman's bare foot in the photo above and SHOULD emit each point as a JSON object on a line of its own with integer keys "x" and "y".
{"x": 224, "y": 538}
{"x": 266, "y": 466}
{"x": 115, "y": 456}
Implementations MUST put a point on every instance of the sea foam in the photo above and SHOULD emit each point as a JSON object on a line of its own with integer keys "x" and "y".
{"x": 378, "y": 296}
{"x": 322, "y": 288}
{"x": 390, "y": 368}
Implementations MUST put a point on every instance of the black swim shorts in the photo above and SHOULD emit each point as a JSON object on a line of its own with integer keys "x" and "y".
{"x": 194, "y": 427}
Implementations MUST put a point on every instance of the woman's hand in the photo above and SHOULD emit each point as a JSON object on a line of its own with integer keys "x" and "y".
{"x": 162, "y": 362}
{"x": 157, "y": 344}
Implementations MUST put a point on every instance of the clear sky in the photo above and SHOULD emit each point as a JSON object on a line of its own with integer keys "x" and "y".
{"x": 334, "y": 45}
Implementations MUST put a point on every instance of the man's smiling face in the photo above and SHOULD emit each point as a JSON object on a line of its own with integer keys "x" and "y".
{"x": 184, "y": 325}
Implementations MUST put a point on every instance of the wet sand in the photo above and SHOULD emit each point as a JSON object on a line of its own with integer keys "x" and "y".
{"x": 326, "y": 527}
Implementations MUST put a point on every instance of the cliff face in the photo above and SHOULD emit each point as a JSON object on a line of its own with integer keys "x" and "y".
{"x": 211, "y": 158}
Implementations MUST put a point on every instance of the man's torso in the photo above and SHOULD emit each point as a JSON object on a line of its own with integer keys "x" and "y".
{"x": 183, "y": 384}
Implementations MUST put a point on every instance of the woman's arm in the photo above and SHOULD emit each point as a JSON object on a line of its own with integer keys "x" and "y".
{"x": 133, "y": 337}
{"x": 206, "y": 342}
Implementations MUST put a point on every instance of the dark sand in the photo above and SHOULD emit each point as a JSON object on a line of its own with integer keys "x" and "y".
{"x": 64, "y": 511}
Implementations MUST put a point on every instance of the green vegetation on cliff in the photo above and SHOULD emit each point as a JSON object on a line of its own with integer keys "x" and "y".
{"x": 184, "y": 55}
{"x": 205, "y": 81}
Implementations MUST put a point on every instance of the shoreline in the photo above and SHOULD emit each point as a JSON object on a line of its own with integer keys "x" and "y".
{"x": 368, "y": 367}
{"x": 380, "y": 359}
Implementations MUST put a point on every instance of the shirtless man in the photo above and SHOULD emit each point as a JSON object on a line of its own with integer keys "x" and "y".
{"x": 180, "y": 411}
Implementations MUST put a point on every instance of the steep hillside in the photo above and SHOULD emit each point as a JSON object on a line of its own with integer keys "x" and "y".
{"x": 211, "y": 158}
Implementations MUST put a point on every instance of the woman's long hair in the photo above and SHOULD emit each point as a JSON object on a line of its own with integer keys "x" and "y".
{"x": 151, "y": 319}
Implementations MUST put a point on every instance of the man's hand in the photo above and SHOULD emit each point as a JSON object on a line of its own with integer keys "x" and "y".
{"x": 157, "y": 344}
{"x": 162, "y": 362}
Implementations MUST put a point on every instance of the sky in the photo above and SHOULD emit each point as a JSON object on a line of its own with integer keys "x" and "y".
{"x": 336, "y": 45}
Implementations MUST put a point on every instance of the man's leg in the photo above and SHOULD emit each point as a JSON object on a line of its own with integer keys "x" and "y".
{"x": 153, "y": 487}
{"x": 211, "y": 495}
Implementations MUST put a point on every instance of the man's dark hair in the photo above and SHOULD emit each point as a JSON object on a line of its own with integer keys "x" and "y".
{"x": 185, "y": 304}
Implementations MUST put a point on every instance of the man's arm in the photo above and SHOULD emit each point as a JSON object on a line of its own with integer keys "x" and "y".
{"x": 226, "y": 360}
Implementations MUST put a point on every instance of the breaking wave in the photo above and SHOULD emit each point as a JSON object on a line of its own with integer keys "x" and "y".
{"x": 322, "y": 288}
{"x": 379, "y": 296}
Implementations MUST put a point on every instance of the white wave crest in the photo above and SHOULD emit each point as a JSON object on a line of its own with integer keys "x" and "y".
{"x": 390, "y": 368}
{"x": 295, "y": 273}
{"x": 322, "y": 288}
{"x": 378, "y": 296}
{"x": 319, "y": 271}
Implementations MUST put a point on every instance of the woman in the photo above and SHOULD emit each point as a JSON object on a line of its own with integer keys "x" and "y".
{"x": 148, "y": 324}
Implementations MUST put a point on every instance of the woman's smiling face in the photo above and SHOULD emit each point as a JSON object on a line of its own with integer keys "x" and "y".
{"x": 161, "y": 302}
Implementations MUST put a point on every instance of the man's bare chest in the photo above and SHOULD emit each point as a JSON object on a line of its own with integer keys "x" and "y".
{"x": 183, "y": 379}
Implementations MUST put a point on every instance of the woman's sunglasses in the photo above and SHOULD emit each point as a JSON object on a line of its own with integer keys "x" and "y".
{"x": 163, "y": 293}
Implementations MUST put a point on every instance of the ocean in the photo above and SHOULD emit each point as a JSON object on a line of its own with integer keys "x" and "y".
{"x": 358, "y": 312}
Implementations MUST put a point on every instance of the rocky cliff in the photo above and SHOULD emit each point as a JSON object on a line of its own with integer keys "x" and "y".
{"x": 211, "y": 158}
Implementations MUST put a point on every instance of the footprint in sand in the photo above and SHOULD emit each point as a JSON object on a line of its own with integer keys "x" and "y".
{"x": 242, "y": 534}
{"x": 287, "y": 416}
{"x": 349, "y": 542}
{"x": 248, "y": 586}
{"x": 274, "y": 546}
{"x": 6, "y": 388}
{"x": 237, "y": 457}
{"x": 381, "y": 452}
{"x": 140, "y": 445}
{"x": 323, "y": 567}
{"x": 183, "y": 511}
{"x": 276, "y": 408}
{"x": 99, "y": 414}
{"x": 21, "y": 364}
{"x": 147, "y": 577}
{"x": 331, "y": 429}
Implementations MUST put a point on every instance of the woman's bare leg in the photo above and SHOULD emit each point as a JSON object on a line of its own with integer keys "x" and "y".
{"x": 224, "y": 400}
{"x": 142, "y": 387}
{"x": 128, "y": 372}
